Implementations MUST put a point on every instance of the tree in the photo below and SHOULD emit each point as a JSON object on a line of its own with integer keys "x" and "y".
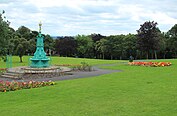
{"x": 32, "y": 46}
{"x": 33, "y": 35}
{"x": 21, "y": 46}
{"x": 161, "y": 48}
{"x": 171, "y": 37}
{"x": 101, "y": 47}
{"x": 4, "y": 35}
{"x": 23, "y": 32}
{"x": 130, "y": 45}
{"x": 48, "y": 44}
{"x": 148, "y": 38}
{"x": 66, "y": 46}
{"x": 84, "y": 46}
{"x": 173, "y": 31}
{"x": 96, "y": 38}
{"x": 118, "y": 46}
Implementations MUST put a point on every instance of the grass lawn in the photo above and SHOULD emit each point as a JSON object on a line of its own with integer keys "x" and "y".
{"x": 58, "y": 60}
{"x": 137, "y": 91}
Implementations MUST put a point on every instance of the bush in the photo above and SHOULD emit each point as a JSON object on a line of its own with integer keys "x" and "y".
{"x": 83, "y": 67}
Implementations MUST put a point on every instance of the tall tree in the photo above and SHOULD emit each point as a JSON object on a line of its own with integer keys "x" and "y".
{"x": 147, "y": 38}
{"x": 4, "y": 35}
{"x": 66, "y": 46}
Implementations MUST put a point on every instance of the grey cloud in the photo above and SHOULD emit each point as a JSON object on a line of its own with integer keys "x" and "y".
{"x": 116, "y": 17}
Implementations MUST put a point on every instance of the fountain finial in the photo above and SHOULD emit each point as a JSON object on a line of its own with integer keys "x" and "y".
{"x": 40, "y": 24}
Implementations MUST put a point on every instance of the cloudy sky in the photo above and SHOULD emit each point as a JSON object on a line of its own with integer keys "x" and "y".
{"x": 72, "y": 17}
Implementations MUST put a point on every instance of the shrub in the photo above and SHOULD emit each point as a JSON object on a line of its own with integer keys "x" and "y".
{"x": 83, "y": 67}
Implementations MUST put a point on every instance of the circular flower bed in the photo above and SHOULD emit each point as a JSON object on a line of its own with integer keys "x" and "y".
{"x": 152, "y": 64}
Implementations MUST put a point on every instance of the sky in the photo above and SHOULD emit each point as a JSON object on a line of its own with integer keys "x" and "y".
{"x": 73, "y": 17}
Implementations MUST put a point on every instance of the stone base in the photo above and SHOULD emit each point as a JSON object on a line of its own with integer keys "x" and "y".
{"x": 28, "y": 72}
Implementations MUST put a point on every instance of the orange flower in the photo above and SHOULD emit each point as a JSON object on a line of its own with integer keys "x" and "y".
{"x": 152, "y": 64}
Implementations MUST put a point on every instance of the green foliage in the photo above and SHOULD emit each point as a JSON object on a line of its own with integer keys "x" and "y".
{"x": 48, "y": 43}
{"x": 101, "y": 47}
{"x": 4, "y": 34}
{"x": 23, "y": 32}
{"x": 66, "y": 46}
{"x": 32, "y": 46}
{"x": 85, "y": 46}
{"x": 116, "y": 46}
{"x": 173, "y": 31}
{"x": 171, "y": 40}
{"x": 97, "y": 37}
{"x": 21, "y": 47}
{"x": 83, "y": 67}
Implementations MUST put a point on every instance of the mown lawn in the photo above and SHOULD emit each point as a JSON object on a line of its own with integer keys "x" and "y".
{"x": 57, "y": 60}
{"x": 136, "y": 91}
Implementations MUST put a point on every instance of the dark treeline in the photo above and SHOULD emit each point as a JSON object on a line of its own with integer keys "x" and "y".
{"x": 149, "y": 42}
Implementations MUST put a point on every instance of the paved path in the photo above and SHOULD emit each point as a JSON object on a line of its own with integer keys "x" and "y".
{"x": 75, "y": 74}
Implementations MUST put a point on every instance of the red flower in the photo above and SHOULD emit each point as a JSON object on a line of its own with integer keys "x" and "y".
{"x": 153, "y": 64}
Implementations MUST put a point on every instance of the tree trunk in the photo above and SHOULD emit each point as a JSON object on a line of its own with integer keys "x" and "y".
{"x": 103, "y": 55}
{"x": 152, "y": 55}
{"x": 164, "y": 56}
{"x": 120, "y": 57}
{"x": 21, "y": 59}
{"x": 111, "y": 57}
{"x": 141, "y": 55}
{"x": 155, "y": 54}
{"x": 147, "y": 55}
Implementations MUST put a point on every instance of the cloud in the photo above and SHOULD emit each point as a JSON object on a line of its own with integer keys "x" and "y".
{"x": 72, "y": 17}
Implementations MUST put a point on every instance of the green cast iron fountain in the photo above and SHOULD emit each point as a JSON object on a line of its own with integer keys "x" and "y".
{"x": 39, "y": 60}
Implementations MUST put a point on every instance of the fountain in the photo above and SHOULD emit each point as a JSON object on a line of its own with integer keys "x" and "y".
{"x": 39, "y": 60}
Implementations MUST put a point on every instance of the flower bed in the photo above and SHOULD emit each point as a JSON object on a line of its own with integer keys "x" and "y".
{"x": 152, "y": 64}
{"x": 14, "y": 85}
